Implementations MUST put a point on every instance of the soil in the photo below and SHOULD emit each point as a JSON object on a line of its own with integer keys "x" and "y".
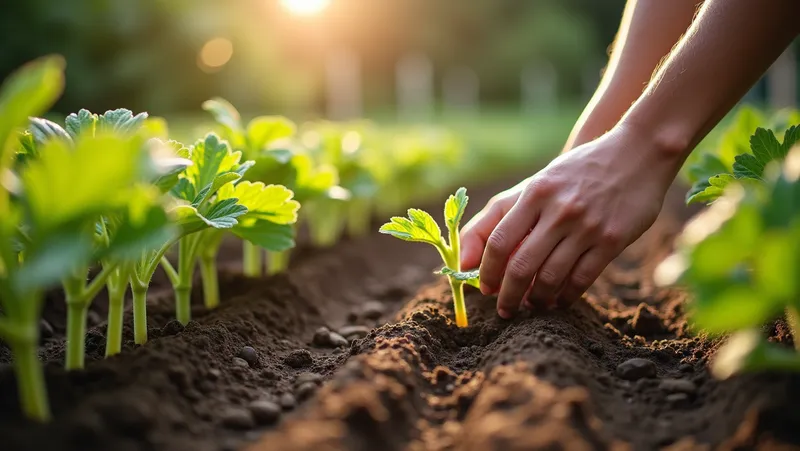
{"x": 618, "y": 370}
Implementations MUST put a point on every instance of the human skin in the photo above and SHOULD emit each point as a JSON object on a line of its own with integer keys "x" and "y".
{"x": 549, "y": 237}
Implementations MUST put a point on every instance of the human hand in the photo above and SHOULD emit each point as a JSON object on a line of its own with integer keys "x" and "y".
{"x": 549, "y": 237}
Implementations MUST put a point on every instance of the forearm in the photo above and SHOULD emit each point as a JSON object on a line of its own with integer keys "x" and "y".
{"x": 648, "y": 31}
{"x": 726, "y": 50}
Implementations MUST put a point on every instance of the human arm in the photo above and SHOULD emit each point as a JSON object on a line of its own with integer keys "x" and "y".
{"x": 553, "y": 234}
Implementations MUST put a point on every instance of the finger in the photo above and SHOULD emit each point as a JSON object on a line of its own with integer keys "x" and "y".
{"x": 556, "y": 268}
{"x": 588, "y": 268}
{"x": 504, "y": 239}
{"x": 522, "y": 266}
{"x": 477, "y": 231}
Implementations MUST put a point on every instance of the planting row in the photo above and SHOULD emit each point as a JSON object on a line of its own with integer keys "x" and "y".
{"x": 105, "y": 200}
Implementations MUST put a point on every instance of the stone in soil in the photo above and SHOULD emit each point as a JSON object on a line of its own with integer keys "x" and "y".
{"x": 678, "y": 399}
{"x": 351, "y": 332}
{"x": 302, "y": 378}
{"x": 287, "y": 401}
{"x": 305, "y": 390}
{"x": 299, "y": 358}
{"x": 336, "y": 340}
{"x": 265, "y": 412}
{"x": 323, "y": 337}
{"x": 237, "y": 418}
{"x": 249, "y": 355}
{"x": 372, "y": 310}
{"x": 678, "y": 386}
{"x": 635, "y": 369}
{"x": 240, "y": 362}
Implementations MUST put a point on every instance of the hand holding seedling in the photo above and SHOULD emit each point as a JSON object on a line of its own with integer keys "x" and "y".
{"x": 553, "y": 234}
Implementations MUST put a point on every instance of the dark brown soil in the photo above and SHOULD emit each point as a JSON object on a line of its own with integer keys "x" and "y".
{"x": 559, "y": 379}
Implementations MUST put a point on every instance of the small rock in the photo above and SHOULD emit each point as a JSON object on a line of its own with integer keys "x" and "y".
{"x": 93, "y": 318}
{"x": 45, "y": 329}
{"x": 685, "y": 368}
{"x": 678, "y": 386}
{"x": 287, "y": 401}
{"x": 265, "y": 412}
{"x": 302, "y": 378}
{"x": 678, "y": 399}
{"x": 214, "y": 374}
{"x": 372, "y": 310}
{"x": 596, "y": 349}
{"x": 249, "y": 355}
{"x": 548, "y": 341}
{"x": 236, "y": 418}
{"x": 304, "y": 391}
{"x": 336, "y": 340}
{"x": 354, "y": 331}
{"x": 634, "y": 369}
{"x": 238, "y": 361}
{"x": 174, "y": 327}
{"x": 352, "y": 317}
{"x": 299, "y": 358}
{"x": 321, "y": 337}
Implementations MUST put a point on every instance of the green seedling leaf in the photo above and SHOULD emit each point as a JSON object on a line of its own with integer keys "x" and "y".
{"x": 454, "y": 208}
{"x": 171, "y": 160}
{"x": 82, "y": 123}
{"x": 121, "y": 121}
{"x": 748, "y": 351}
{"x": 227, "y": 178}
{"x": 265, "y": 130}
{"x": 709, "y": 190}
{"x": 211, "y": 157}
{"x": 790, "y": 138}
{"x": 28, "y": 92}
{"x": 471, "y": 278}
{"x": 44, "y": 131}
{"x": 52, "y": 258}
{"x": 748, "y": 166}
{"x": 419, "y": 227}
{"x": 220, "y": 215}
{"x": 271, "y": 203}
{"x": 272, "y": 237}
{"x": 136, "y": 235}
{"x": 224, "y": 113}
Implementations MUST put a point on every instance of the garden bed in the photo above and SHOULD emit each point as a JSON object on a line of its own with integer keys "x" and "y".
{"x": 556, "y": 379}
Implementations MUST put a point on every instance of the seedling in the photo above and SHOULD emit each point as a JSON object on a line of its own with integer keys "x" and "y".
{"x": 419, "y": 226}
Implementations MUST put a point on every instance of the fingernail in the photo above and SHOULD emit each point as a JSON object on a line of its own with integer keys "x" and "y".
{"x": 505, "y": 314}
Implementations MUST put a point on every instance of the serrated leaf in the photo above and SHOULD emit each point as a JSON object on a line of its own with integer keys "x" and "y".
{"x": 136, "y": 235}
{"x": 184, "y": 190}
{"x": 271, "y": 203}
{"x": 244, "y": 167}
{"x": 710, "y": 190}
{"x": 211, "y": 157}
{"x": 748, "y": 166}
{"x": 220, "y": 215}
{"x": 765, "y": 146}
{"x": 220, "y": 181}
{"x": 82, "y": 123}
{"x": 419, "y": 227}
{"x": 265, "y": 130}
{"x": 454, "y": 208}
{"x": 53, "y": 257}
{"x": 44, "y": 131}
{"x": 120, "y": 121}
{"x": 790, "y": 138}
{"x": 471, "y": 278}
{"x": 224, "y": 113}
{"x": 272, "y": 237}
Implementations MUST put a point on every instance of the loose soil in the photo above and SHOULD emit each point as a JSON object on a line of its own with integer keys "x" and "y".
{"x": 618, "y": 370}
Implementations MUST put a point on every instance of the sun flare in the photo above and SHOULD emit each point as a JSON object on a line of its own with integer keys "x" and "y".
{"x": 305, "y": 7}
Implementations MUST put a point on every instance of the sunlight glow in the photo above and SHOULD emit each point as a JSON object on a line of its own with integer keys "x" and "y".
{"x": 305, "y": 7}
{"x": 215, "y": 54}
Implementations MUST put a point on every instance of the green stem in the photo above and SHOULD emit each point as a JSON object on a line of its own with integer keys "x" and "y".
{"x": 187, "y": 248}
{"x": 460, "y": 308}
{"x": 116, "y": 310}
{"x": 76, "y": 334}
{"x": 30, "y": 380}
{"x": 208, "y": 272}
{"x": 278, "y": 262}
{"x": 139, "y": 314}
{"x": 183, "y": 304}
{"x": 793, "y": 319}
{"x": 251, "y": 259}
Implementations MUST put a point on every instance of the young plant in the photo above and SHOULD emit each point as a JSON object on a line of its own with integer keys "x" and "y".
{"x": 419, "y": 226}
{"x": 211, "y": 200}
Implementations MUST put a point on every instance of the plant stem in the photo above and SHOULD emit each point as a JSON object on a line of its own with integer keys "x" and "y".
{"x": 30, "y": 380}
{"x": 183, "y": 304}
{"x": 76, "y": 334}
{"x": 208, "y": 272}
{"x": 139, "y": 314}
{"x": 187, "y": 248}
{"x": 793, "y": 319}
{"x": 278, "y": 262}
{"x": 116, "y": 310}
{"x": 460, "y": 308}
{"x": 251, "y": 259}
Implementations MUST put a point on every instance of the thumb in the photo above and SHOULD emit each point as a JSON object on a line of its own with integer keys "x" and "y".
{"x": 475, "y": 234}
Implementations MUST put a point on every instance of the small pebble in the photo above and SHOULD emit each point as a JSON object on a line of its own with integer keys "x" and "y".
{"x": 299, "y": 358}
{"x": 238, "y": 361}
{"x": 249, "y": 355}
{"x": 685, "y": 368}
{"x": 304, "y": 391}
{"x": 265, "y": 412}
{"x": 352, "y": 317}
{"x": 236, "y": 418}
{"x": 678, "y": 386}
{"x": 336, "y": 340}
{"x": 372, "y": 310}
{"x": 678, "y": 399}
{"x": 354, "y": 331}
{"x": 321, "y": 337}
{"x": 214, "y": 374}
{"x": 287, "y": 401}
{"x": 302, "y": 378}
{"x": 548, "y": 341}
{"x": 45, "y": 329}
{"x": 634, "y": 369}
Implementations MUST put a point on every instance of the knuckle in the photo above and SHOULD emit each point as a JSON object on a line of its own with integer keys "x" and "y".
{"x": 519, "y": 268}
{"x": 570, "y": 210}
{"x": 591, "y": 225}
{"x": 611, "y": 237}
{"x": 541, "y": 188}
{"x": 547, "y": 279}
{"x": 496, "y": 241}
{"x": 581, "y": 281}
